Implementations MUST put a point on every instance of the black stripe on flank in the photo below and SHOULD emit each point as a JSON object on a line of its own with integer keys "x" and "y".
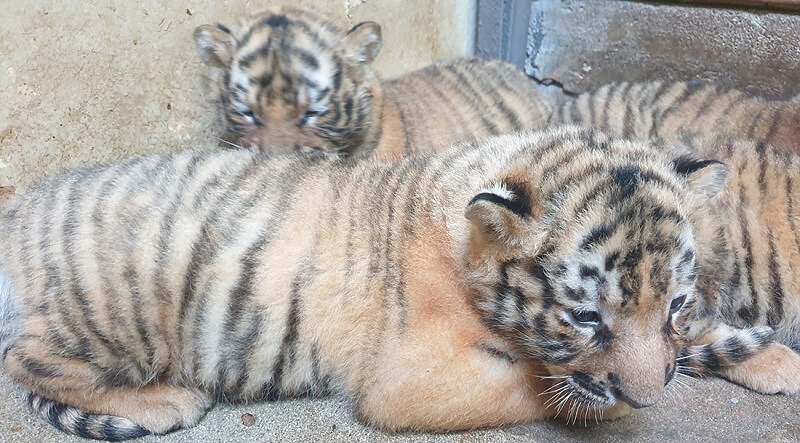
{"x": 205, "y": 245}
{"x": 132, "y": 279}
{"x": 688, "y": 91}
{"x": 468, "y": 98}
{"x": 776, "y": 118}
{"x": 790, "y": 211}
{"x": 76, "y": 287}
{"x": 36, "y": 368}
{"x": 603, "y": 121}
{"x": 754, "y": 125}
{"x": 394, "y": 283}
{"x": 629, "y": 117}
{"x": 289, "y": 341}
{"x": 485, "y": 85}
{"x": 464, "y": 85}
{"x": 748, "y": 313}
{"x": 775, "y": 312}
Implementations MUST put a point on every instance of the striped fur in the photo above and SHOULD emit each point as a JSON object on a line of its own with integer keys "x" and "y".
{"x": 288, "y": 79}
{"x": 727, "y": 352}
{"x": 664, "y": 109}
{"x": 74, "y": 421}
{"x": 523, "y": 277}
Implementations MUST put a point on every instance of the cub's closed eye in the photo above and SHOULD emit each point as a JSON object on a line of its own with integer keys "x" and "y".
{"x": 585, "y": 318}
{"x": 248, "y": 115}
{"x": 314, "y": 112}
{"x": 677, "y": 303}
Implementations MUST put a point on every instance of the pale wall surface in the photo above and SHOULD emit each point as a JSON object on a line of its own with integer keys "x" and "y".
{"x": 87, "y": 81}
{"x": 584, "y": 44}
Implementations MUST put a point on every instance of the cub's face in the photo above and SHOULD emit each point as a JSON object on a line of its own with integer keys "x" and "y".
{"x": 288, "y": 79}
{"x": 598, "y": 282}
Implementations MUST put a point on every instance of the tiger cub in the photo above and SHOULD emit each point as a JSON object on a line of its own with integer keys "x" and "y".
{"x": 664, "y": 109}
{"x": 523, "y": 277}
{"x": 287, "y": 78}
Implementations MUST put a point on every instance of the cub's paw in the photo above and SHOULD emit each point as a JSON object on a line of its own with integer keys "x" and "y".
{"x": 170, "y": 408}
{"x": 774, "y": 370}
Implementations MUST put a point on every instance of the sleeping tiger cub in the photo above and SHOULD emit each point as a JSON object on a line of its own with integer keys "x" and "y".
{"x": 524, "y": 277}
{"x": 288, "y": 78}
{"x": 664, "y": 109}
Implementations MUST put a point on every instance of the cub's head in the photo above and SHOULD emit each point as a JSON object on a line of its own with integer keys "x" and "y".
{"x": 287, "y": 78}
{"x": 584, "y": 257}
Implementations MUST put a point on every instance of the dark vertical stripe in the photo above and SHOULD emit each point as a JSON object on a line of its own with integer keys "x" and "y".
{"x": 775, "y": 311}
{"x": 272, "y": 390}
{"x": 748, "y": 313}
{"x": 790, "y": 210}
{"x": 675, "y": 105}
{"x": 754, "y": 125}
{"x": 776, "y": 116}
{"x": 393, "y": 281}
{"x": 455, "y": 83}
{"x": 77, "y": 290}
{"x": 480, "y": 82}
{"x": 240, "y": 296}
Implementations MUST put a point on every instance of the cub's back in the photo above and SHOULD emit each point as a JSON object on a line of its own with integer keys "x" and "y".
{"x": 456, "y": 101}
{"x": 664, "y": 109}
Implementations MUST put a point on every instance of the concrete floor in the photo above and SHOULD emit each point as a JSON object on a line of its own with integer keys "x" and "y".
{"x": 704, "y": 410}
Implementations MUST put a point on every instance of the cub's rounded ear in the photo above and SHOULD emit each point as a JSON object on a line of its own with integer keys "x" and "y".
{"x": 363, "y": 43}
{"x": 501, "y": 218}
{"x": 705, "y": 178}
{"x": 215, "y": 45}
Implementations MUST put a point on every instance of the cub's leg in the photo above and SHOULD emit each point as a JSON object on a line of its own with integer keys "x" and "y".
{"x": 748, "y": 357}
{"x": 68, "y": 393}
{"x": 433, "y": 388}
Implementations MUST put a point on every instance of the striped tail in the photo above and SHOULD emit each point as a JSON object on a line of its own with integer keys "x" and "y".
{"x": 709, "y": 359}
{"x": 84, "y": 424}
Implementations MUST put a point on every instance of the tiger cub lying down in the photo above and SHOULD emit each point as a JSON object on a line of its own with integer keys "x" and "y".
{"x": 287, "y": 79}
{"x": 524, "y": 277}
{"x": 663, "y": 109}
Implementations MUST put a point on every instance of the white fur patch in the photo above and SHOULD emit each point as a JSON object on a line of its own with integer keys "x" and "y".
{"x": 500, "y": 190}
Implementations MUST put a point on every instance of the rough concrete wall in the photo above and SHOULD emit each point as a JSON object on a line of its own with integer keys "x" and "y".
{"x": 582, "y": 44}
{"x": 83, "y": 81}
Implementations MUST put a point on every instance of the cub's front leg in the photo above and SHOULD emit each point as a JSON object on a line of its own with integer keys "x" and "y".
{"x": 749, "y": 357}
{"x": 435, "y": 387}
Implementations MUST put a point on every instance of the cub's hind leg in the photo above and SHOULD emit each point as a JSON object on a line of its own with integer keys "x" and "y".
{"x": 76, "y": 397}
{"x": 749, "y": 357}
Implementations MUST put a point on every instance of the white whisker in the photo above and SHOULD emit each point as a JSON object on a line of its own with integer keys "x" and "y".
{"x": 553, "y": 376}
{"x": 555, "y": 387}
{"x": 229, "y": 143}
